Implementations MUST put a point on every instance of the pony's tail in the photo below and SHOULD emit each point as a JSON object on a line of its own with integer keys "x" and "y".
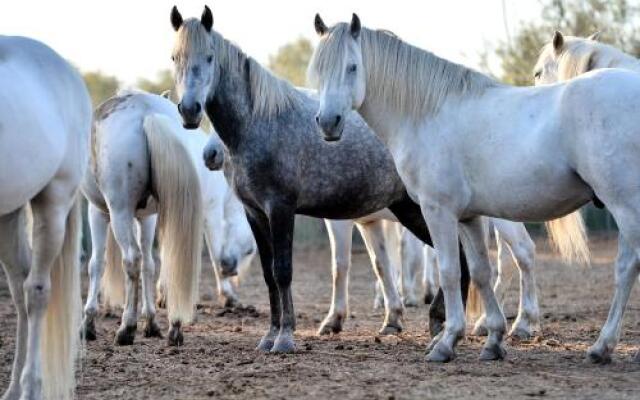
{"x": 112, "y": 284}
{"x": 60, "y": 333}
{"x": 569, "y": 236}
{"x": 176, "y": 184}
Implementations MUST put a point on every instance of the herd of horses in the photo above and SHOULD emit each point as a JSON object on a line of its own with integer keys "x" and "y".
{"x": 392, "y": 133}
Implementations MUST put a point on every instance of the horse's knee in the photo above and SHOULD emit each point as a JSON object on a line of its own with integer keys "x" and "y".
{"x": 525, "y": 253}
{"x": 37, "y": 292}
{"x": 131, "y": 264}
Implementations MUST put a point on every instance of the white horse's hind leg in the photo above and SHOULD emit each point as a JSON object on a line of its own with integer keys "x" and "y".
{"x": 411, "y": 261}
{"x": 15, "y": 257}
{"x": 147, "y": 234}
{"x": 99, "y": 224}
{"x": 473, "y": 240}
{"x": 430, "y": 271}
{"x": 340, "y": 234}
{"x": 373, "y": 236}
{"x": 122, "y": 223}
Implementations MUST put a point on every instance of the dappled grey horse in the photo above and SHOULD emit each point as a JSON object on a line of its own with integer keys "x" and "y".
{"x": 278, "y": 164}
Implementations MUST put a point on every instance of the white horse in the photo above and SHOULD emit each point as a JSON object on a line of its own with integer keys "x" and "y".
{"x": 45, "y": 122}
{"x": 139, "y": 167}
{"x": 466, "y": 146}
{"x": 567, "y": 57}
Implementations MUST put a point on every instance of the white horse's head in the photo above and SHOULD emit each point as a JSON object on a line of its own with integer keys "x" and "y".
{"x": 194, "y": 65}
{"x": 213, "y": 152}
{"x": 239, "y": 246}
{"x": 566, "y": 57}
{"x": 337, "y": 70}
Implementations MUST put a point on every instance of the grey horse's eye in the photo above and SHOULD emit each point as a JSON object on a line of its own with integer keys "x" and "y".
{"x": 352, "y": 68}
{"x": 209, "y": 59}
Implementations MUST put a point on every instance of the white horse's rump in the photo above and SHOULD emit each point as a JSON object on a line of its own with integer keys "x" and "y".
{"x": 560, "y": 146}
{"x": 45, "y": 121}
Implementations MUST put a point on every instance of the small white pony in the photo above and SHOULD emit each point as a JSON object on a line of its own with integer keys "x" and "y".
{"x": 45, "y": 122}
{"x": 467, "y": 146}
{"x": 139, "y": 167}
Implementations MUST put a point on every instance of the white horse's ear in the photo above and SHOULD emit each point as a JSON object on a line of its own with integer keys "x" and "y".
{"x": 207, "y": 19}
{"x": 595, "y": 36}
{"x": 176, "y": 18}
{"x": 355, "y": 26}
{"x": 166, "y": 94}
{"x": 558, "y": 41}
{"x": 321, "y": 27}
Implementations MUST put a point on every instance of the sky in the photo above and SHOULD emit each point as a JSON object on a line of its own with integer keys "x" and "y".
{"x": 133, "y": 39}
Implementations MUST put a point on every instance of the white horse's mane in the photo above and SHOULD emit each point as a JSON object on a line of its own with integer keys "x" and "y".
{"x": 580, "y": 55}
{"x": 270, "y": 95}
{"x": 412, "y": 80}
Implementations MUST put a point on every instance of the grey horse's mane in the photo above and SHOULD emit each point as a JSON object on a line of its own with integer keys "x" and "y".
{"x": 270, "y": 95}
{"x": 412, "y": 80}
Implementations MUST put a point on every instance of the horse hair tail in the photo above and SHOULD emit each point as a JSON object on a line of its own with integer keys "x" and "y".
{"x": 113, "y": 280}
{"x": 176, "y": 184}
{"x": 569, "y": 236}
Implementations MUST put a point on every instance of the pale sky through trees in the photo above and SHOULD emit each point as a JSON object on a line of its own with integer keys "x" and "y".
{"x": 132, "y": 39}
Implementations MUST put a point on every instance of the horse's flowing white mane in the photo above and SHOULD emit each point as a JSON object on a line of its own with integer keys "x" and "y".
{"x": 580, "y": 55}
{"x": 409, "y": 79}
{"x": 270, "y": 95}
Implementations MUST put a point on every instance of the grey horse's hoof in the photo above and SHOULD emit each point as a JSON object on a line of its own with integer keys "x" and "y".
{"x": 520, "y": 334}
{"x": 88, "y": 331}
{"x": 125, "y": 336}
{"x": 283, "y": 344}
{"x": 330, "y": 326}
{"x": 599, "y": 357}
{"x": 441, "y": 353}
{"x": 151, "y": 329}
{"x": 493, "y": 352}
{"x": 428, "y": 298}
{"x": 265, "y": 345}
{"x": 175, "y": 336}
{"x": 390, "y": 330}
{"x": 480, "y": 330}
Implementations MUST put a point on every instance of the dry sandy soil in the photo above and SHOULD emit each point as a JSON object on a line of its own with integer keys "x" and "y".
{"x": 219, "y": 361}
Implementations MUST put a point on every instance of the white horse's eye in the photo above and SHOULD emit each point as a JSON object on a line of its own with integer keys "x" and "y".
{"x": 537, "y": 74}
{"x": 352, "y": 68}
{"x": 209, "y": 59}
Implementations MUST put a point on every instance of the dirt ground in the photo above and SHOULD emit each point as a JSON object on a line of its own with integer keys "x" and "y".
{"x": 218, "y": 359}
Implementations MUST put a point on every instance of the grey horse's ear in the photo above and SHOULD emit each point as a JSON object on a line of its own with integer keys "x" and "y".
{"x": 176, "y": 18}
{"x": 595, "y": 36}
{"x": 166, "y": 94}
{"x": 355, "y": 26}
{"x": 320, "y": 26}
{"x": 207, "y": 19}
{"x": 558, "y": 41}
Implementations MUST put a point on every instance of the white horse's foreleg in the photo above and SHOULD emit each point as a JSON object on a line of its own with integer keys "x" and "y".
{"x": 411, "y": 261}
{"x": 443, "y": 226}
{"x": 430, "y": 271}
{"x": 474, "y": 243}
{"x": 122, "y": 223}
{"x": 98, "y": 223}
{"x": 340, "y": 235}
{"x": 15, "y": 257}
{"x": 373, "y": 236}
{"x": 214, "y": 237}
{"x": 50, "y": 210}
{"x": 147, "y": 233}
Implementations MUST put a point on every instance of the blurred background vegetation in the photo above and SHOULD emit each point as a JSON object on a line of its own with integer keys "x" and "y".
{"x": 512, "y": 59}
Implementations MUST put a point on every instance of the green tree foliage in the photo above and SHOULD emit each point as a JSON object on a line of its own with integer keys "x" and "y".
{"x": 162, "y": 83}
{"x": 616, "y": 19}
{"x": 291, "y": 60}
{"x": 101, "y": 86}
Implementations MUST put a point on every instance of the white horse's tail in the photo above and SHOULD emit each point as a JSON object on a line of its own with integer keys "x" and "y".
{"x": 112, "y": 284}
{"x": 569, "y": 235}
{"x": 177, "y": 187}
{"x": 60, "y": 333}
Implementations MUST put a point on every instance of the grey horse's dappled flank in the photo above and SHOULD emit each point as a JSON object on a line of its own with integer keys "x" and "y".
{"x": 278, "y": 165}
{"x": 563, "y": 146}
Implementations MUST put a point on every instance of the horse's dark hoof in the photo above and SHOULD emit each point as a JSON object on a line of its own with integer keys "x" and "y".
{"x": 175, "y": 336}
{"x": 125, "y": 336}
{"x": 435, "y": 326}
{"x": 283, "y": 344}
{"x": 265, "y": 345}
{"x": 599, "y": 356}
{"x": 161, "y": 302}
{"x": 428, "y": 298}
{"x": 88, "y": 331}
{"x": 480, "y": 330}
{"x": 231, "y": 302}
{"x": 390, "y": 330}
{"x": 151, "y": 329}
{"x": 493, "y": 352}
{"x": 520, "y": 334}
{"x": 441, "y": 353}
{"x": 330, "y": 326}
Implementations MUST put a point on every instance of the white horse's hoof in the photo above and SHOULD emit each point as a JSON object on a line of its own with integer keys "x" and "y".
{"x": 410, "y": 302}
{"x": 88, "y": 330}
{"x": 125, "y": 335}
{"x": 441, "y": 353}
{"x": 151, "y": 329}
{"x": 493, "y": 352}
{"x": 390, "y": 329}
{"x": 331, "y": 325}
{"x": 480, "y": 330}
{"x": 283, "y": 344}
{"x": 175, "y": 336}
{"x": 519, "y": 333}
{"x": 598, "y": 355}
